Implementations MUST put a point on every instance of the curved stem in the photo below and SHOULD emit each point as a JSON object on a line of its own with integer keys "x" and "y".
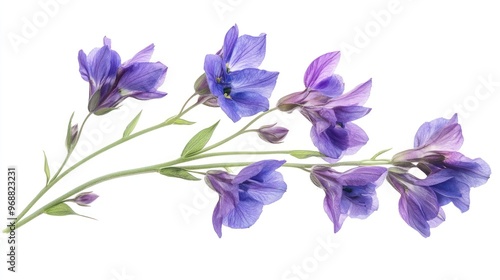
{"x": 107, "y": 177}
{"x": 100, "y": 151}
{"x": 55, "y": 177}
{"x": 234, "y": 153}
{"x": 185, "y": 103}
{"x": 72, "y": 148}
{"x": 238, "y": 133}
{"x": 158, "y": 167}
{"x": 294, "y": 165}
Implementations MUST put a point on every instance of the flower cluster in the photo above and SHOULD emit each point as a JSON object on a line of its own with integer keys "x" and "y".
{"x": 233, "y": 82}
{"x": 330, "y": 112}
{"x": 449, "y": 175}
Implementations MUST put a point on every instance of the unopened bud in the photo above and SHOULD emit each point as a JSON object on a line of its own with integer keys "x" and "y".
{"x": 272, "y": 133}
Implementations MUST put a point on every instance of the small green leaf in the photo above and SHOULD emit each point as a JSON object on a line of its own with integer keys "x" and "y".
{"x": 198, "y": 141}
{"x": 130, "y": 127}
{"x": 61, "y": 209}
{"x": 177, "y": 172}
{"x": 183, "y": 122}
{"x": 104, "y": 111}
{"x": 301, "y": 154}
{"x": 68, "y": 133}
{"x": 46, "y": 167}
{"x": 374, "y": 157}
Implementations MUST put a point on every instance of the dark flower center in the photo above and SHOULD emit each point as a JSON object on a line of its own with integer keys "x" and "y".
{"x": 341, "y": 124}
{"x": 227, "y": 92}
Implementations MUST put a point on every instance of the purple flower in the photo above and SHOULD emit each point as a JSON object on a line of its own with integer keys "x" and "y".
{"x": 319, "y": 75}
{"x": 449, "y": 175}
{"x": 330, "y": 112}
{"x": 111, "y": 82}
{"x": 85, "y": 198}
{"x": 242, "y": 196}
{"x": 272, "y": 133}
{"x": 351, "y": 193}
{"x": 233, "y": 78}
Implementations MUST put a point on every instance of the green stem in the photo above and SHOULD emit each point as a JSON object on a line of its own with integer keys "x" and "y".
{"x": 72, "y": 148}
{"x": 56, "y": 179}
{"x": 238, "y": 133}
{"x": 294, "y": 165}
{"x": 114, "y": 175}
{"x": 158, "y": 167}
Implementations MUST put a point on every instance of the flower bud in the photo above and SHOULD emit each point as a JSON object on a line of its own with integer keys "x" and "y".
{"x": 201, "y": 85}
{"x": 85, "y": 198}
{"x": 272, "y": 133}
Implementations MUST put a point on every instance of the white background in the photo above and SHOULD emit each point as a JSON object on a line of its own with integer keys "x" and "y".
{"x": 427, "y": 59}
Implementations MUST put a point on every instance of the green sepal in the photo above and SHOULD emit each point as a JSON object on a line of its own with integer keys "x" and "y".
{"x": 104, "y": 111}
{"x": 130, "y": 127}
{"x": 46, "y": 168}
{"x": 198, "y": 142}
{"x": 183, "y": 122}
{"x": 69, "y": 134}
{"x": 94, "y": 100}
{"x": 302, "y": 154}
{"x": 177, "y": 172}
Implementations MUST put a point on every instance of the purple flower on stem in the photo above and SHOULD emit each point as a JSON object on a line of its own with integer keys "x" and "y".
{"x": 233, "y": 78}
{"x": 85, "y": 198}
{"x": 333, "y": 132}
{"x": 111, "y": 82}
{"x": 351, "y": 193}
{"x": 449, "y": 175}
{"x": 242, "y": 196}
{"x": 330, "y": 112}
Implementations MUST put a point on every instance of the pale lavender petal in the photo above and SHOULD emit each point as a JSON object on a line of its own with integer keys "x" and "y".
{"x": 243, "y": 104}
{"x": 248, "y": 52}
{"x": 331, "y": 205}
{"x": 357, "y": 96}
{"x": 142, "y": 77}
{"x": 142, "y": 56}
{"x": 106, "y": 41}
{"x": 350, "y": 113}
{"x": 332, "y": 142}
{"x": 321, "y": 68}
{"x": 473, "y": 172}
{"x": 82, "y": 61}
{"x": 440, "y": 134}
{"x": 244, "y": 215}
{"x": 229, "y": 42}
{"x": 357, "y": 138}
{"x": 254, "y": 80}
{"x": 332, "y": 86}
